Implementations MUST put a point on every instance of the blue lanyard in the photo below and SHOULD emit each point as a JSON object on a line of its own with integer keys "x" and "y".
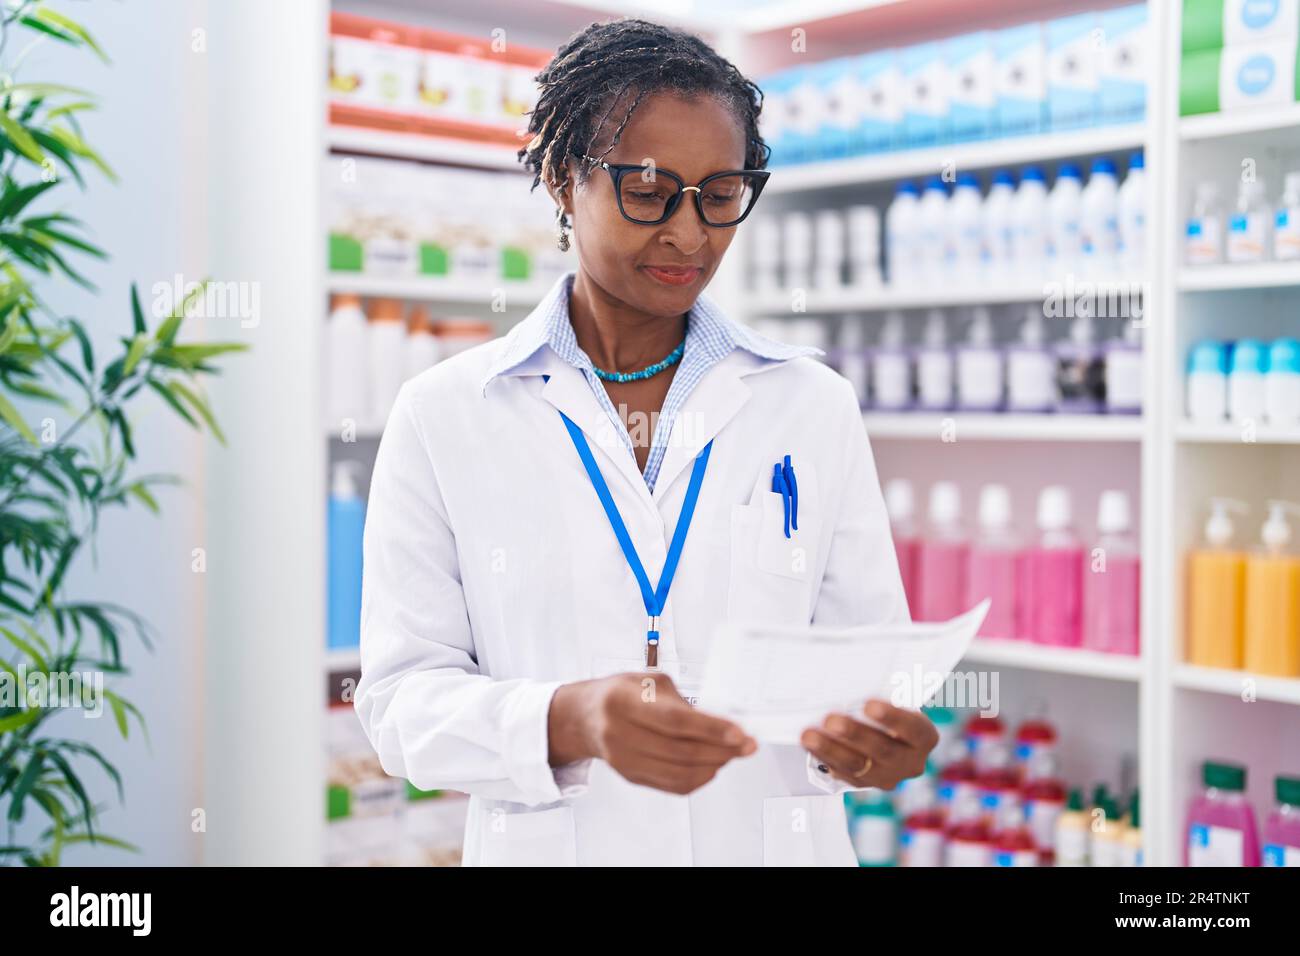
{"x": 654, "y": 599}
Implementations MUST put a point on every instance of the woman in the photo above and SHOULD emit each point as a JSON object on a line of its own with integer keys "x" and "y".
{"x": 557, "y": 511}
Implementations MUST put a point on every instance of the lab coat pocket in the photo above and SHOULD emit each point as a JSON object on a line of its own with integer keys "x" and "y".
{"x": 771, "y": 575}
{"x": 529, "y": 838}
{"x": 794, "y": 829}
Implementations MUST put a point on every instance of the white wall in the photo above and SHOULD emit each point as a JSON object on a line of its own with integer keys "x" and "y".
{"x": 151, "y": 129}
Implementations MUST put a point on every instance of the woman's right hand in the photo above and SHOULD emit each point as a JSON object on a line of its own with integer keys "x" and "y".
{"x": 639, "y": 724}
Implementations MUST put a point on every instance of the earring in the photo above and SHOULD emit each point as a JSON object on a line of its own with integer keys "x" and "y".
{"x": 561, "y": 230}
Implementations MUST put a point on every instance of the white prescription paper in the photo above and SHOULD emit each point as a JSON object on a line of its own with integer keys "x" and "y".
{"x": 775, "y": 681}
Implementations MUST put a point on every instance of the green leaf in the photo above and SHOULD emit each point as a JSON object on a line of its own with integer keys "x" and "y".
{"x": 21, "y": 719}
{"x": 171, "y": 400}
{"x": 21, "y": 138}
{"x": 25, "y": 783}
{"x": 135, "y": 353}
{"x": 139, "y": 491}
{"x": 137, "y": 313}
{"x": 199, "y": 405}
{"x": 11, "y": 415}
{"x": 68, "y": 26}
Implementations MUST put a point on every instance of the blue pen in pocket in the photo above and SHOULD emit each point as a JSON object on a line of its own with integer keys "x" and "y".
{"x": 783, "y": 483}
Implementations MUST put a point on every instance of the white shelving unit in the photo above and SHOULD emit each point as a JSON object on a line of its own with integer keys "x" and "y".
{"x": 1156, "y": 709}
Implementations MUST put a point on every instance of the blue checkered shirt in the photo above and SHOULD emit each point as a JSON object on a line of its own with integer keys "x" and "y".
{"x": 710, "y": 336}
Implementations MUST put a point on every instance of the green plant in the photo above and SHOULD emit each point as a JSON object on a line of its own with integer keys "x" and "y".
{"x": 54, "y": 483}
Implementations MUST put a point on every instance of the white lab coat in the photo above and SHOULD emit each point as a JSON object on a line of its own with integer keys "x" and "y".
{"x": 492, "y": 577}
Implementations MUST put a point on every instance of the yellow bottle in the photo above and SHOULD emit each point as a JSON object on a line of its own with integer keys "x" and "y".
{"x": 1273, "y": 599}
{"x": 1216, "y": 587}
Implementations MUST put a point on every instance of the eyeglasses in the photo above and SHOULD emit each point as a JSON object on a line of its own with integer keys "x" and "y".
{"x": 652, "y": 195}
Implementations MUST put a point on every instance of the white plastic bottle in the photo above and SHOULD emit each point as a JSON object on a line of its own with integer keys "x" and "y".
{"x": 1286, "y": 231}
{"x": 863, "y": 223}
{"x": 1031, "y": 368}
{"x": 999, "y": 228}
{"x": 766, "y": 256}
{"x": 933, "y": 238}
{"x": 1133, "y": 218}
{"x": 1203, "y": 243}
{"x": 829, "y": 251}
{"x": 1250, "y": 224}
{"x": 1064, "y": 212}
{"x": 1029, "y": 214}
{"x": 853, "y": 356}
{"x": 1099, "y": 222}
{"x": 966, "y": 231}
{"x": 891, "y": 367}
{"x": 348, "y": 384}
{"x": 387, "y": 339}
{"x": 980, "y": 369}
{"x": 796, "y": 249}
{"x": 934, "y": 365}
{"x": 422, "y": 345}
{"x": 902, "y": 235}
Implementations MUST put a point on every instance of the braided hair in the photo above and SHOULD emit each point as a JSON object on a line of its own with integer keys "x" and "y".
{"x": 592, "y": 72}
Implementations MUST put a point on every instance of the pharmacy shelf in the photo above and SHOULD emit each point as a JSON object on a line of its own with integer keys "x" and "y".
{"x": 1010, "y": 151}
{"x": 1230, "y": 433}
{"x": 879, "y": 298}
{"x": 481, "y": 292}
{"x": 1282, "y": 690}
{"x": 430, "y": 149}
{"x": 1002, "y": 652}
{"x": 1244, "y": 122}
{"x": 958, "y": 426}
{"x": 365, "y": 430}
{"x": 1240, "y": 277}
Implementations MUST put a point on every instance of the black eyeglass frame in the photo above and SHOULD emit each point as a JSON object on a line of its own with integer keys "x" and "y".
{"x": 618, "y": 170}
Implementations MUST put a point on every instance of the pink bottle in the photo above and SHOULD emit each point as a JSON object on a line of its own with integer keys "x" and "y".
{"x": 942, "y": 559}
{"x": 1112, "y": 581}
{"x": 991, "y": 564}
{"x": 1282, "y": 829}
{"x": 1053, "y": 567}
{"x": 900, "y": 504}
{"x": 1220, "y": 823}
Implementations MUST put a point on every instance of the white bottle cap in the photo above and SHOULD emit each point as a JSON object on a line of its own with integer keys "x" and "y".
{"x": 1251, "y": 190}
{"x": 892, "y": 333}
{"x": 980, "y": 332}
{"x": 1276, "y": 533}
{"x": 1113, "y": 512}
{"x": 936, "y": 330}
{"x": 1081, "y": 330}
{"x": 899, "y": 501}
{"x": 995, "y": 507}
{"x": 1218, "y": 529}
{"x": 945, "y": 503}
{"x": 1031, "y": 332}
{"x": 1054, "y": 508}
{"x": 343, "y": 480}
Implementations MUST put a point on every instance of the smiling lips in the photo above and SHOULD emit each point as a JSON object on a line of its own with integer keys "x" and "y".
{"x": 674, "y": 275}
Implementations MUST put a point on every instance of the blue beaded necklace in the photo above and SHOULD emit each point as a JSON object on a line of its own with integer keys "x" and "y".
{"x": 649, "y": 371}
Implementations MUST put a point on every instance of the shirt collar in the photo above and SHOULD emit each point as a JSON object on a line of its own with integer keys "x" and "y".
{"x": 708, "y": 329}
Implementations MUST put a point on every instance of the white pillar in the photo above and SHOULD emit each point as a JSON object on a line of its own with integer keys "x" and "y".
{"x": 264, "y": 686}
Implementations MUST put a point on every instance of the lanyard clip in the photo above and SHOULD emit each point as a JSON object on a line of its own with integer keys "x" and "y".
{"x": 652, "y": 641}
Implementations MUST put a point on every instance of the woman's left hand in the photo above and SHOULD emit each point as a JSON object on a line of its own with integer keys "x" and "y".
{"x": 867, "y": 757}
